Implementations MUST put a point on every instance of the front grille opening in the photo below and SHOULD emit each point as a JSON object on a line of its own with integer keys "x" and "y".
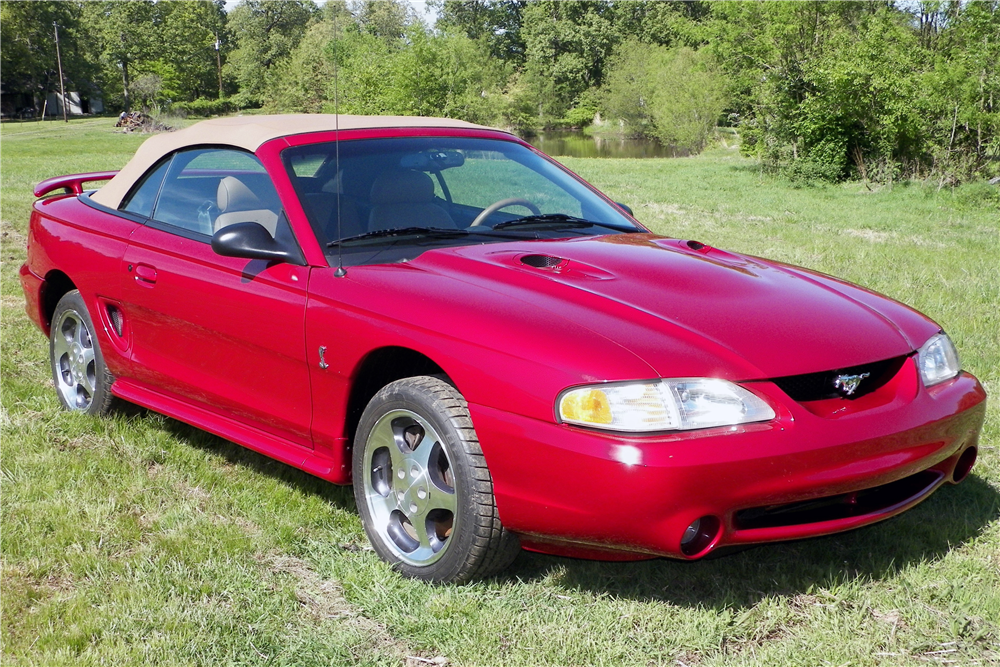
{"x": 541, "y": 261}
{"x": 843, "y": 506}
{"x": 819, "y": 386}
{"x": 117, "y": 321}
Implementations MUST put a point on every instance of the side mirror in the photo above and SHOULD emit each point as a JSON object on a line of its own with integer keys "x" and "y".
{"x": 251, "y": 241}
{"x": 627, "y": 209}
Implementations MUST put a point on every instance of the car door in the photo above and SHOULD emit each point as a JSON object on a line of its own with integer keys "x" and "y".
{"x": 219, "y": 333}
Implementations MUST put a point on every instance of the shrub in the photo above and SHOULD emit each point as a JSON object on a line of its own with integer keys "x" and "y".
{"x": 673, "y": 95}
{"x": 978, "y": 195}
{"x": 203, "y": 107}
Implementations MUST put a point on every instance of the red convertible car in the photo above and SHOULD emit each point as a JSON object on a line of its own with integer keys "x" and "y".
{"x": 494, "y": 353}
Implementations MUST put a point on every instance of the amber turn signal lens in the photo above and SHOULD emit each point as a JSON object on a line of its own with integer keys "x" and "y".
{"x": 588, "y": 406}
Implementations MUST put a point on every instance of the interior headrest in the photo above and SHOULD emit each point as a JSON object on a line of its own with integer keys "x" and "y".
{"x": 234, "y": 195}
{"x": 335, "y": 185}
{"x": 402, "y": 186}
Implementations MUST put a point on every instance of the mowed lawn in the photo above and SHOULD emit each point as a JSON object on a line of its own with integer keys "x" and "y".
{"x": 137, "y": 540}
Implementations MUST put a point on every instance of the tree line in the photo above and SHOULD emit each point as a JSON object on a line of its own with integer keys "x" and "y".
{"x": 870, "y": 89}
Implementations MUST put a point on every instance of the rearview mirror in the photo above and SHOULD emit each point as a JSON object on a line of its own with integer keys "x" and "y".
{"x": 432, "y": 160}
{"x": 251, "y": 241}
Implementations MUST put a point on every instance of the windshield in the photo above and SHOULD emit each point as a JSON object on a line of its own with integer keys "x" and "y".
{"x": 391, "y": 199}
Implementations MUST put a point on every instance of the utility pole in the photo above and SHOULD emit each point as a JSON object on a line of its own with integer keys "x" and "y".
{"x": 218, "y": 62}
{"x": 62, "y": 88}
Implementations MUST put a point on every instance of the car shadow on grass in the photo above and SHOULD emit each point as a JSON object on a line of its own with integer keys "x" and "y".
{"x": 928, "y": 532}
{"x": 341, "y": 497}
{"x": 950, "y": 517}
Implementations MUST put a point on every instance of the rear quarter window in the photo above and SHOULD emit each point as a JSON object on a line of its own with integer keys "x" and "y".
{"x": 143, "y": 197}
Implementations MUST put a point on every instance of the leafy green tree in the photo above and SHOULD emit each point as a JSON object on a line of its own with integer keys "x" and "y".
{"x": 386, "y": 19}
{"x": 823, "y": 83}
{"x": 664, "y": 23}
{"x": 28, "y": 56}
{"x": 962, "y": 93}
{"x": 452, "y": 76}
{"x": 567, "y": 45}
{"x": 421, "y": 74}
{"x": 673, "y": 95}
{"x": 145, "y": 90}
{"x": 127, "y": 34}
{"x": 188, "y": 64}
{"x": 266, "y": 32}
{"x": 496, "y": 21}
{"x": 304, "y": 82}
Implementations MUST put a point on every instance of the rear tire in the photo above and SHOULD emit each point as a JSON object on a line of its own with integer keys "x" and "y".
{"x": 422, "y": 486}
{"x": 82, "y": 381}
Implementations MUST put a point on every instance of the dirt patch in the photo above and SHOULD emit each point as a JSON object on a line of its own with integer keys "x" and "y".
{"x": 871, "y": 235}
{"x": 10, "y": 301}
{"x": 687, "y": 659}
{"x": 36, "y": 589}
{"x": 11, "y": 237}
{"x": 322, "y": 600}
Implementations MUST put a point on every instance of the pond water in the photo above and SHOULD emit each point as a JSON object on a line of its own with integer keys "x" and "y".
{"x": 574, "y": 143}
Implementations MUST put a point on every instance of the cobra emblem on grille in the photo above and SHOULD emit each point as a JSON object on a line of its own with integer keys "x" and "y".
{"x": 848, "y": 384}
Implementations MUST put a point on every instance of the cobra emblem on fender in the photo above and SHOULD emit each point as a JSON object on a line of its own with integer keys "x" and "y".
{"x": 848, "y": 384}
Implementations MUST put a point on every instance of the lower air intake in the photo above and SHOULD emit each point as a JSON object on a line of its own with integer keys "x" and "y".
{"x": 843, "y": 506}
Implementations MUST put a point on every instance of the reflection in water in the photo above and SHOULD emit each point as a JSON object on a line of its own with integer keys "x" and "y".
{"x": 574, "y": 143}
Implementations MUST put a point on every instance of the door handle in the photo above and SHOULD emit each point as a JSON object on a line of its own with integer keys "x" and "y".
{"x": 145, "y": 274}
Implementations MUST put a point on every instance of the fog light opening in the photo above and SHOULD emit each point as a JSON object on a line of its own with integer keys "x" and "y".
{"x": 700, "y": 536}
{"x": 964, "y": 465}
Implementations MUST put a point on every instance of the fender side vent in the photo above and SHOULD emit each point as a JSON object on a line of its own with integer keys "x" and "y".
{"x": 542, "y": 261}
{"x": 117, "y": 321}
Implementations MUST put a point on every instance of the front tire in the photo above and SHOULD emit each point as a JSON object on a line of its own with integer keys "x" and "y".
{"x": 82, "y": 381}
{"x": 422, "y": 486}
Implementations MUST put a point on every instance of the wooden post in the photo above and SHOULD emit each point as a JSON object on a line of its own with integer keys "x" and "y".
{"x": 218, "y": 62}
{"x": 62, "y": 88}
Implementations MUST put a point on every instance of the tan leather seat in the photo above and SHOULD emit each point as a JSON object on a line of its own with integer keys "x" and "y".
{"x": 237, "y": 203}
{"x": 323, "y": 206}
{"x": 405, "y": 198}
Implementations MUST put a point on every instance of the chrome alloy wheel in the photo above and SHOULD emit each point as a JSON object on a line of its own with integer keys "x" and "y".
{"x": 74, "y": 360}
{"x": 409, "y": 487}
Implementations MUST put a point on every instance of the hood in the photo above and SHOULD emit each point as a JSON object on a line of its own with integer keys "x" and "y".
{"x": 691, "y": 310}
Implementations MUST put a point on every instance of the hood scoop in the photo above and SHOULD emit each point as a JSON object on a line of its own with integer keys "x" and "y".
{"x": 542, "y": 261}
{"x": 561, "y": 268}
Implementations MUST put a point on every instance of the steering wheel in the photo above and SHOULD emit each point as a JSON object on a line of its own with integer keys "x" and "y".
{"x": 503, "y": 203}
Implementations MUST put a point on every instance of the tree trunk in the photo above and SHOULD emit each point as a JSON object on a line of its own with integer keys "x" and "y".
{"x": 125, "y": 81}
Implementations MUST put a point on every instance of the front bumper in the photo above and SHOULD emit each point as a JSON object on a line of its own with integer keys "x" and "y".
{"x": 579, "y": 492}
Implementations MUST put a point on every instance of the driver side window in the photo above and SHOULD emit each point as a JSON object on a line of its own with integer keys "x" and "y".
{"x": 206, "y": 189}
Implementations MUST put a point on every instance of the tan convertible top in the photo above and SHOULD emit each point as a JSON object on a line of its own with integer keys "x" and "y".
{"x": 249, "y": 133}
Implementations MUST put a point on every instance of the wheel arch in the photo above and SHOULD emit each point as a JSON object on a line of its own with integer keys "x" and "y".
{"x": 377, "y": 369}
{"x": 55, "y": 286}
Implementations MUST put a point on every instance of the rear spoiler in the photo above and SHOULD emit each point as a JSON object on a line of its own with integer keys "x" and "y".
{"x": 73, "y": 183}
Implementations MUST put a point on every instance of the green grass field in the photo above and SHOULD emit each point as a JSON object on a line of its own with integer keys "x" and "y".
{"x": 138, "y": 540}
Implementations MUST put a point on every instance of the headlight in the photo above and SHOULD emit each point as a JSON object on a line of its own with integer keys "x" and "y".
{"x": 662, "y": 405}
{"x": 937, "y": 360}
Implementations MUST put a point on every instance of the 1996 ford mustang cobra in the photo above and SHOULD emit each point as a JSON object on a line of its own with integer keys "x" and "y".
{"x": 495, "y": 354}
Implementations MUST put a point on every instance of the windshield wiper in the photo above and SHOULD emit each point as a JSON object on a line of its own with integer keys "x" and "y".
{"x": 547, "y": 221}
{"x": 420, "y": 232}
